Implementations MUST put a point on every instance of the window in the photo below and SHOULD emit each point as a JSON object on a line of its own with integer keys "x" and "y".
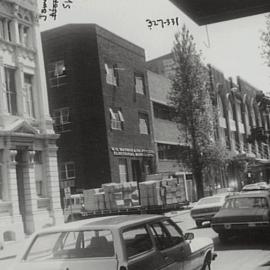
{"x": 139, "y": 84}
{"x": 166, "y": 234}
{"x": 168, "y": 151}
{"x": 117, "y": 119}
{"x": 67, "y": 171}
{"x": 123, "y": 170}
{"x": 1, "y": 183}
{"x": 2, "y": 28}
{"x": 163, "y": 112}
{"x": 28, "y": 95}
{"x": 239, "y": 111}
{"x": 144, "y": 124}
{"x": 8, "y": 34}
{"x": 137, "y": 241}
{"x": 71, "y": 244}
{"x": 57, "y": 73}
{"x": 112, "y": 76}
{"x": 24, "y": 35}
{"x": 62, "y": 120}
{"x": 246, "y": 202}
{"x": 39, "y": 173}
{"x": 10, "y": 91}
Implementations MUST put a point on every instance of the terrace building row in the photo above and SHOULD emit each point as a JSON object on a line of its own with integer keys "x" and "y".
{"x": 243, "y": 124}
{"x": 29, "y": 188}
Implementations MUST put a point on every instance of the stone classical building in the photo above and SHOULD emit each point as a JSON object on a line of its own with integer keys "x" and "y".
{"x": 29, "y": 187}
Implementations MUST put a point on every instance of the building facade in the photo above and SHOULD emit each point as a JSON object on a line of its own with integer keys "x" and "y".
{"x": 243, "y": 124}
{"x": 169, "y": 138}
{"x": 99, "y": 98}
{"x": 243, "y": 128}
{"x": 29, "y": 188}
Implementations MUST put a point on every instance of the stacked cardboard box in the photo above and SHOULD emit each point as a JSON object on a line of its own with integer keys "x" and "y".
{"x": 91, "y": 200}
{"x": 180, "y": 190}
{"x": 150, "y": 193}
{"x": 113, "y": 195}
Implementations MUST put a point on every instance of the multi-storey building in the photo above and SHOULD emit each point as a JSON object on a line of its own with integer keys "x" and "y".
{"x": 99, "y": 98}
{"x": 29, "y": 188}
{"x": 169, "y": 139}
{"x": 242, "y": 123}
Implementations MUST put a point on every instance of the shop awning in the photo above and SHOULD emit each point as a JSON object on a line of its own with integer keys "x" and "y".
{"x": 212, "y": 11}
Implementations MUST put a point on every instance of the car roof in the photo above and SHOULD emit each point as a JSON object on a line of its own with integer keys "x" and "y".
{"x": 107, "y": 222}
{"x": 258, "y": 193}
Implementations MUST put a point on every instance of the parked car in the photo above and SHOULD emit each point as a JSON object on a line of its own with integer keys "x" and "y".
{"x": 116, "y": 242}
{"x": 207, "y": 207}
{"x": 247, "y": 211}
{"x": 256, "y": 186}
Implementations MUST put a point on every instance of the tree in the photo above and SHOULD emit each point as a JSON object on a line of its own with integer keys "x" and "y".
{"x": 191, "y": 97}
{"x": 265, "y": 38}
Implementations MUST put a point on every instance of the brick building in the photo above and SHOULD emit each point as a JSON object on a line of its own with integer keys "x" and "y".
{"x": 29, "y": 188}
{"x": 99, "y": 98}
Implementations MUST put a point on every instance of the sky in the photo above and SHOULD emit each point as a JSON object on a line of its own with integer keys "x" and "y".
{"x": 233, "y": 46}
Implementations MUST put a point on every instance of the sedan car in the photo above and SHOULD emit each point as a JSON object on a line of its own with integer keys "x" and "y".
{"x": 142, "y": 242}
{"x": 207, "y": 207}
{"x": 256, "y": 186}
{"x": 245, "y": 212}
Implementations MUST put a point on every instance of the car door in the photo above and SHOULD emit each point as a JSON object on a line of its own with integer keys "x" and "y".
{"x": 140, "y": 251}
{"x": 170, "y": 242}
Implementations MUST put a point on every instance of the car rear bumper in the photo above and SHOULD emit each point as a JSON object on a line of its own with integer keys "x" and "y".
{"x": 203, "y": 217}
{"x": 256, "y": 225}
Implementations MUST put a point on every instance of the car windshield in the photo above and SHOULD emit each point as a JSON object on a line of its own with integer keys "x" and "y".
{"x": 246, "y": 202}
{"x": 71, "y": 244}
{"x": 210, "y": 200}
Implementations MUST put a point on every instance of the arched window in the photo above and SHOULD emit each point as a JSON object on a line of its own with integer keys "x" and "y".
{"x": 252, "y": 116}
{"x": 230, "y": 110}
{"x": 221, "y": 107}
{"x": 238, "y": 111}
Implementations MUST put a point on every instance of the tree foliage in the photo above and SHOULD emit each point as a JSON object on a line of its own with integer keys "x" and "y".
{"x": 191, "y": 97}
{"x": 265, "y": 38}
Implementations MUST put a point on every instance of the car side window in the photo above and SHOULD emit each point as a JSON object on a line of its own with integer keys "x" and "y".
{"x": 175, "y": 232}
{"x": 166, "y": 234}
{"x": 137, "y": 240}
{"x": 161, "y": 236}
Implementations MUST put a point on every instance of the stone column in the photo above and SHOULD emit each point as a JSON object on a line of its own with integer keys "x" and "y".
{"x": 41, "y": 89}
{"x": 12, "y": 177}
{"x": 13, "y": 194}
{"x": 53, "y": 189}
{"x": 2, "y": 92}
{"x": 31, "y": 209}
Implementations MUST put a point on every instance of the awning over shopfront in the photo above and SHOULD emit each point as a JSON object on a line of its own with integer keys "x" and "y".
{"x": 212, "y": 11}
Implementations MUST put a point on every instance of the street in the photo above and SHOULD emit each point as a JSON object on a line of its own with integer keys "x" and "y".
{"x": 240, "y": 254}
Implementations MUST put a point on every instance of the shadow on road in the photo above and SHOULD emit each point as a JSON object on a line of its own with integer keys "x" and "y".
{"x": 244, "y": 242}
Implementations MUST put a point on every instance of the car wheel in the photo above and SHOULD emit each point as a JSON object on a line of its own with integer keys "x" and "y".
{"x": 207, "y": 263}
{"x": 223, "y": 238}
{"x": 198, "y": 224}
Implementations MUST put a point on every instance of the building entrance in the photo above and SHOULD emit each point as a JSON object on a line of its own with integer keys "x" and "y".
{"x": 136, "y": 170}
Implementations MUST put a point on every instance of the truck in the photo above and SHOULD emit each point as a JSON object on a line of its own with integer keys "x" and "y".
{"x": 154, "y": 196}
